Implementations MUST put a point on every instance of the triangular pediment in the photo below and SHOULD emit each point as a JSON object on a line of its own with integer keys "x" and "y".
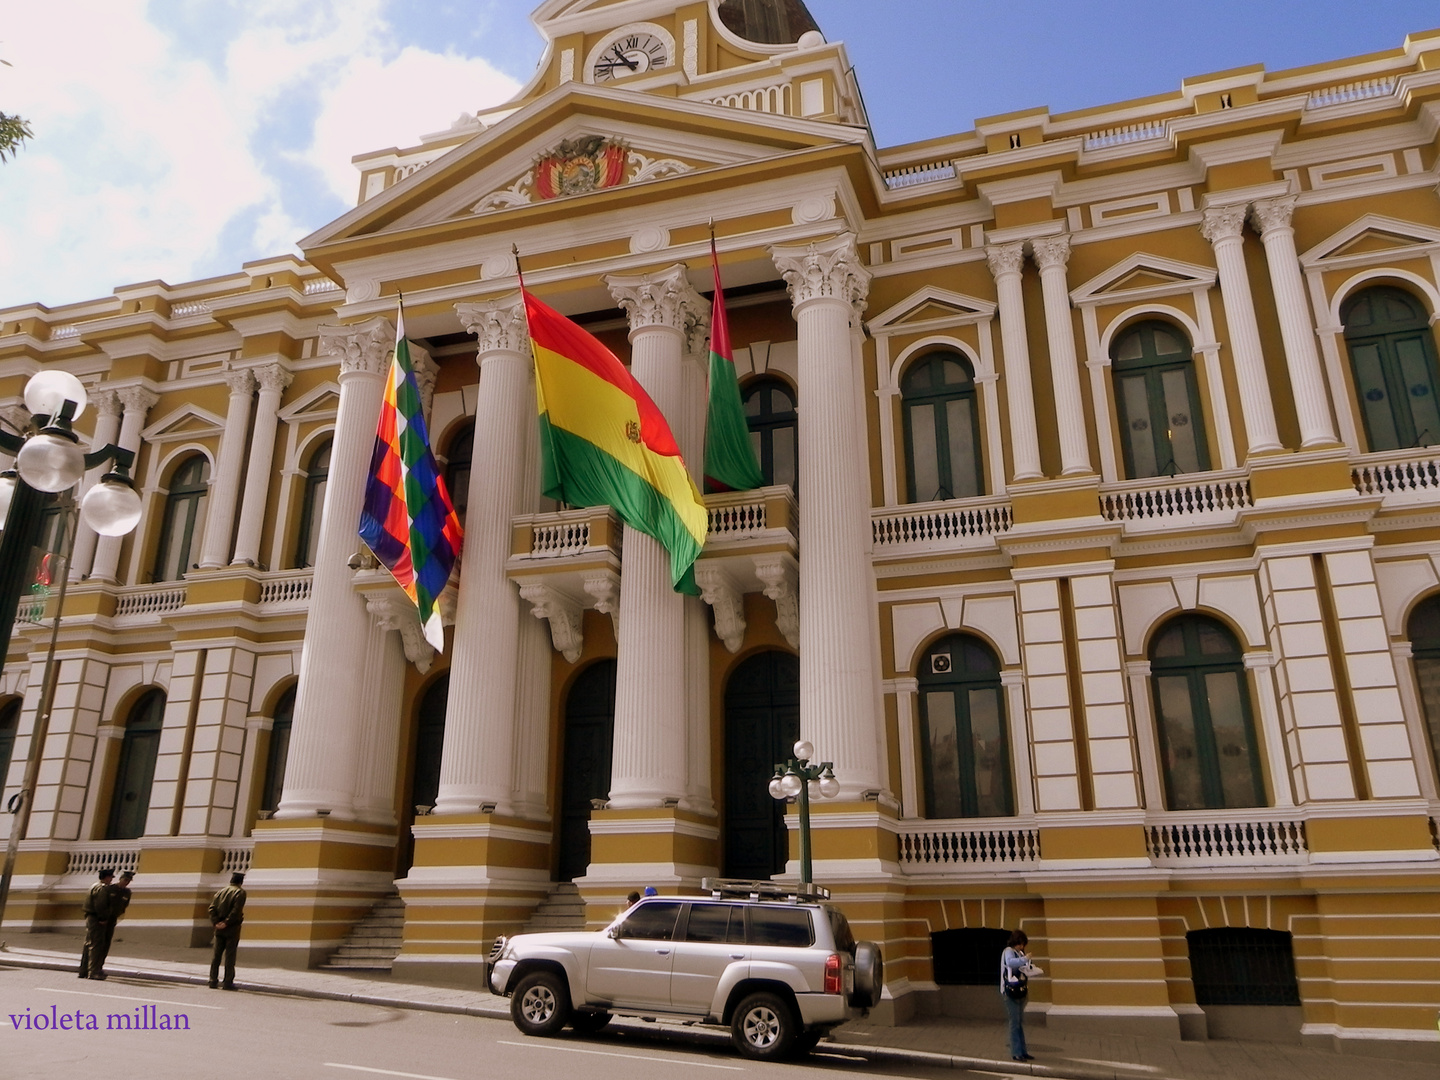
{"x": 931, "y": 307}
{"x": 318, "y": 403}
{"x": 186, "y": 422}
{"x": 1373, "y": 236}
{"x": 568, "y": 134}
{"x": 1143, "y": 275}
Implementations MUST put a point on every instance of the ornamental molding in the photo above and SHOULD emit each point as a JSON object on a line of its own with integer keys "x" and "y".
{"x": 106, "y": 402}
{"x": 663, "y": 299}
{"x": 781, "y": 579}
{"x": 719, "y": 590}
{"x": 1220, "y": 223}
{"x": 273, "y": 378}
{"x": 137, "y": 399}
{"x": 363, "y": 349}
{"x": 1271, "y": 215}
{"x": 828, "y": 270}
{"x": 393, "y": 610}
{"x": 604, "y": 587}
{"x": 498, "y": 325}
{"x": 426, "y": 371}
{"x": 1051, "y": 251}
{"x": 563, "y": 615}
{"x": 580, "y": 166}
{"x": 1005, "y": 259}
{"x": 241, "y": 382}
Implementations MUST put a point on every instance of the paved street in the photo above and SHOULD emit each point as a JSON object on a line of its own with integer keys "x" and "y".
{"x": 245, "y": 1036}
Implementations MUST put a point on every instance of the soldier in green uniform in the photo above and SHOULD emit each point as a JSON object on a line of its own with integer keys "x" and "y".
{"x": 99, "y": 925}
{"x": 227, "y": 912}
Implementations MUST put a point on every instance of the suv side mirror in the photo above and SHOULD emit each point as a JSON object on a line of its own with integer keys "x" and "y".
{"x": 615, "y": 932}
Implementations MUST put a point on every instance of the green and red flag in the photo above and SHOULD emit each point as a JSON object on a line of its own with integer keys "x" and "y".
{"x": 408, "y": 520}
{"x": 604, "y": 442}
{"x": 730, "y": 463}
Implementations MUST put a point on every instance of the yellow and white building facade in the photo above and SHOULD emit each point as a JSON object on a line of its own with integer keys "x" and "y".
{"x": 1100, "y": 552}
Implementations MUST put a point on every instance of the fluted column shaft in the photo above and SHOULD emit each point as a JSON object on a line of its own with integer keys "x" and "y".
{"x": 1051, "y": 255}
{"x": 690, "y": 435}
{"x": 225, "y": 488}
{"x": 1297, "y": 329}
{"x": 650, "y": 750}
{"x": 837, "y": 665}
{"x": 1222, "y": 226}
{"x": 1006, "y": 263}
{"x": 329, "y": 713}
{"x": 137, "y": 401}
{"x": 477, "y": 765}
{"x": 273, "y": 380}
{"x": 107, "y": 427}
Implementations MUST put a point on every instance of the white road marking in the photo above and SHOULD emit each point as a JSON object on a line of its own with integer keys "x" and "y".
{"x": 608, "y": 1053}
{"x": 1117, "y": 1064}
{"x": 383, "y": 1072}
{"x": 124, "y": 997}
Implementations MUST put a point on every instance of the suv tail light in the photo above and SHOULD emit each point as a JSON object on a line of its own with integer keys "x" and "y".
{"x": 834, "y": 981}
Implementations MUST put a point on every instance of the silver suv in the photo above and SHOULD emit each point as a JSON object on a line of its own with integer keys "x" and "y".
{"x": 779, "y": 968}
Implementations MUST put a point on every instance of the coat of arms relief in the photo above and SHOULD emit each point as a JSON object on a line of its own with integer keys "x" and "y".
{"x": 579, "y": 166}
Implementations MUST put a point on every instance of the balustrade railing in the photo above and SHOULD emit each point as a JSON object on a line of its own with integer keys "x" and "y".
{"x": 90, "y": 859}
{"x": 151, "y": 599}
{"x": 1398, "y": 472}
{"x": 767, "y": 99}
{"x": 291, "y": 588}
{"x": 910, "y": 175}
{"x": 1121, "y": 136}
{"x": 235, "y": 858}
{"x": 1187, "y": 841}
{"x": 948, "y": 845}
{"x": 736, "y": 515}
{"x": 1175, "y": 497}
{"x": 941, "y": 522}
{"x": 1355, "y": 91}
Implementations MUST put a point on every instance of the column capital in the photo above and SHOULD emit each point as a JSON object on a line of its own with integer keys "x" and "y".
{"x": 1272, "y": 214}
{"x": 241, "y": 382}
{"x": 273, "y": 377}
{"x": 665, "y": 299}
{"x": 363, "y": 349}
{"x": 1005, "y": 259}
{"x": 106, "y": 402}
{"x": 137, "y": 399}
{"x": 830, "y": 269}
{"x": 1223, "y": 222}
{"x": 1051, "y": 251}
{"x": 498, "y": 325}
{"x": 426, "y": 372}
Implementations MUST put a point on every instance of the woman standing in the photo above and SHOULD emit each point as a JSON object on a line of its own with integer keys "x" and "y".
{"x": 1015, "y": 972}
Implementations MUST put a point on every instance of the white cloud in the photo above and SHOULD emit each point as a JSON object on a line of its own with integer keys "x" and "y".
{"x": 146, "y": 158}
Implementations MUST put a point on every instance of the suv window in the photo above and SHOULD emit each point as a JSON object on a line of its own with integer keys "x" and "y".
{"x": 715, "y": 922}
{"x": 781, "y": 926}
{"x": 652, "y": 922}
{"x": 840, "y": 927}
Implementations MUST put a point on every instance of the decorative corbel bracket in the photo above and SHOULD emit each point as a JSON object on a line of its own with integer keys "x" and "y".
{"x": 564, "y": 615}
{"x": 719, "y": 591}
{"x": 392, "y": 610}
{"x": 781, "y": 578}
{"x": 604, "y": 586}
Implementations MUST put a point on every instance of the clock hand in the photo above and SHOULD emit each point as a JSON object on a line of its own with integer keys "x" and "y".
{"x": 631, "y": 64}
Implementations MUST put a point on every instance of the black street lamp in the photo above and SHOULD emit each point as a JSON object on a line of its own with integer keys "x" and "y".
{"x": 798, "y": 778}
{"x": 48, "y": 460}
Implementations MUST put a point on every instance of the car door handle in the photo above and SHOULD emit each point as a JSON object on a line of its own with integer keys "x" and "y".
{"x": 737, "y": 956}
{"x": 662, "y": 952}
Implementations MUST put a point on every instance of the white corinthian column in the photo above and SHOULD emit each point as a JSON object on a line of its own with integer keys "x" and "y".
{"x": 837, "y": 662}
{"x": 329, "y": 713}
{"x": 273, "y": 379}
{"x": 1222, "y": 226}
{"x": 649, "y": 764}
{"x": 138, "y": 401}
{"x": 475, "y": 769}
{"x": 1051, "y": 255}
{"x": 1006, "y": 263}
{"x": 1297, "y": 329}
{"x": 107, "y": 427}
{"x": 225, "y": 489}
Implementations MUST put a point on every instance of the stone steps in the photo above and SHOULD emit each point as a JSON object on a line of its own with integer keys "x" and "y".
{"x": 375, "y": 941}
{"x": 561, "y": 910}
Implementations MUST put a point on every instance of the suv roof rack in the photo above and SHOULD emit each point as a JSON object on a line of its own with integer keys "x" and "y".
{"x": 731, "y": 888}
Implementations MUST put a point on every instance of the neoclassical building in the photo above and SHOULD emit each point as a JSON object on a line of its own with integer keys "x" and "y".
{"x": 1098, "y": 552}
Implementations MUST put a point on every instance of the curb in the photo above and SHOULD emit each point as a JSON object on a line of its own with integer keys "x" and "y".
{"x": 678, "y": 1033}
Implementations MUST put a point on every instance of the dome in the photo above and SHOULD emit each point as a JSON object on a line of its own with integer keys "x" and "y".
{"x": 767, "y": 22}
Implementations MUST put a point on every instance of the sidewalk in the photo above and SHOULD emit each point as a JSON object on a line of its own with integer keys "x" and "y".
{"x": 930, "y": 1041}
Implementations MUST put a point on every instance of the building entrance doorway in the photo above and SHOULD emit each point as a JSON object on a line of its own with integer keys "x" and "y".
{"x": 425, "y": 772}
{"x": 762, "y": 722}
{"x": 585, "y": 767}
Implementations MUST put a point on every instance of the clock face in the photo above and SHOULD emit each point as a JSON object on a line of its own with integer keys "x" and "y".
{"x": 630, "y": 54}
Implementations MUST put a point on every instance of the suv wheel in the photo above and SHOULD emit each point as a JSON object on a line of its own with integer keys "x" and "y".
{"x": 589, "y": 1022}
{"x": 764, "y": 1027}
{"x": 541, "y": 1004}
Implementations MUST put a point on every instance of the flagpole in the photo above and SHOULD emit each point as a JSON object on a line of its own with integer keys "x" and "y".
{"x": 519, "y": 272}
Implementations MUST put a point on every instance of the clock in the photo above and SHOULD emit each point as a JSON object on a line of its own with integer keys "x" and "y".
{"x": 630, "y": 54}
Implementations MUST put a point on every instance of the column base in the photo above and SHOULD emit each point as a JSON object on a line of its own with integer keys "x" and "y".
{"x": 669, "y": 848}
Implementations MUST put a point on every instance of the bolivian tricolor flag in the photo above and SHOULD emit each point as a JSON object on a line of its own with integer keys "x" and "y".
{"x": 408, "y": 520}
{"x": 604, "y": 442}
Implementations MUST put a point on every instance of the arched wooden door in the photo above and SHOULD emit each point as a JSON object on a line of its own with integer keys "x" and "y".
{"x": 425, "y": 772}
{"x": 762, "y": 722}
{"x": 589, "y": 739}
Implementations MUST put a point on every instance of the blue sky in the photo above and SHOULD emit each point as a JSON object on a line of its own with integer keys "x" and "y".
{"x": 177, "y": 139}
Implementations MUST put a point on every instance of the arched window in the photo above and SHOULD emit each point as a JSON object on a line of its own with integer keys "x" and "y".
{"x": 1161, "y": 425}
{"x": 312, "y": 509}
{"x": 1424, "y": 631}
{"x": 457, "y": 468}
{"x": 1202, "y": 706}
{"x": 962, "y": 730}
{"x": 279, "y": 752}
{"x": 1392, "y": 355}
{"x": 9, "y": 727}
{"x": 136, "y": 771}
{"x": 770, "y": 413}
{"x": 184, "y": 518}
{"x": 942, "y": 435}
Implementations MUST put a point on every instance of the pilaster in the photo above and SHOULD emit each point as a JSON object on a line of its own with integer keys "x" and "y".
{"x": 225, "y": 487}
{"x": 1051, "y": 255}
{"x": 1006, "y": 263}
{"x": 273, "y": 380}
